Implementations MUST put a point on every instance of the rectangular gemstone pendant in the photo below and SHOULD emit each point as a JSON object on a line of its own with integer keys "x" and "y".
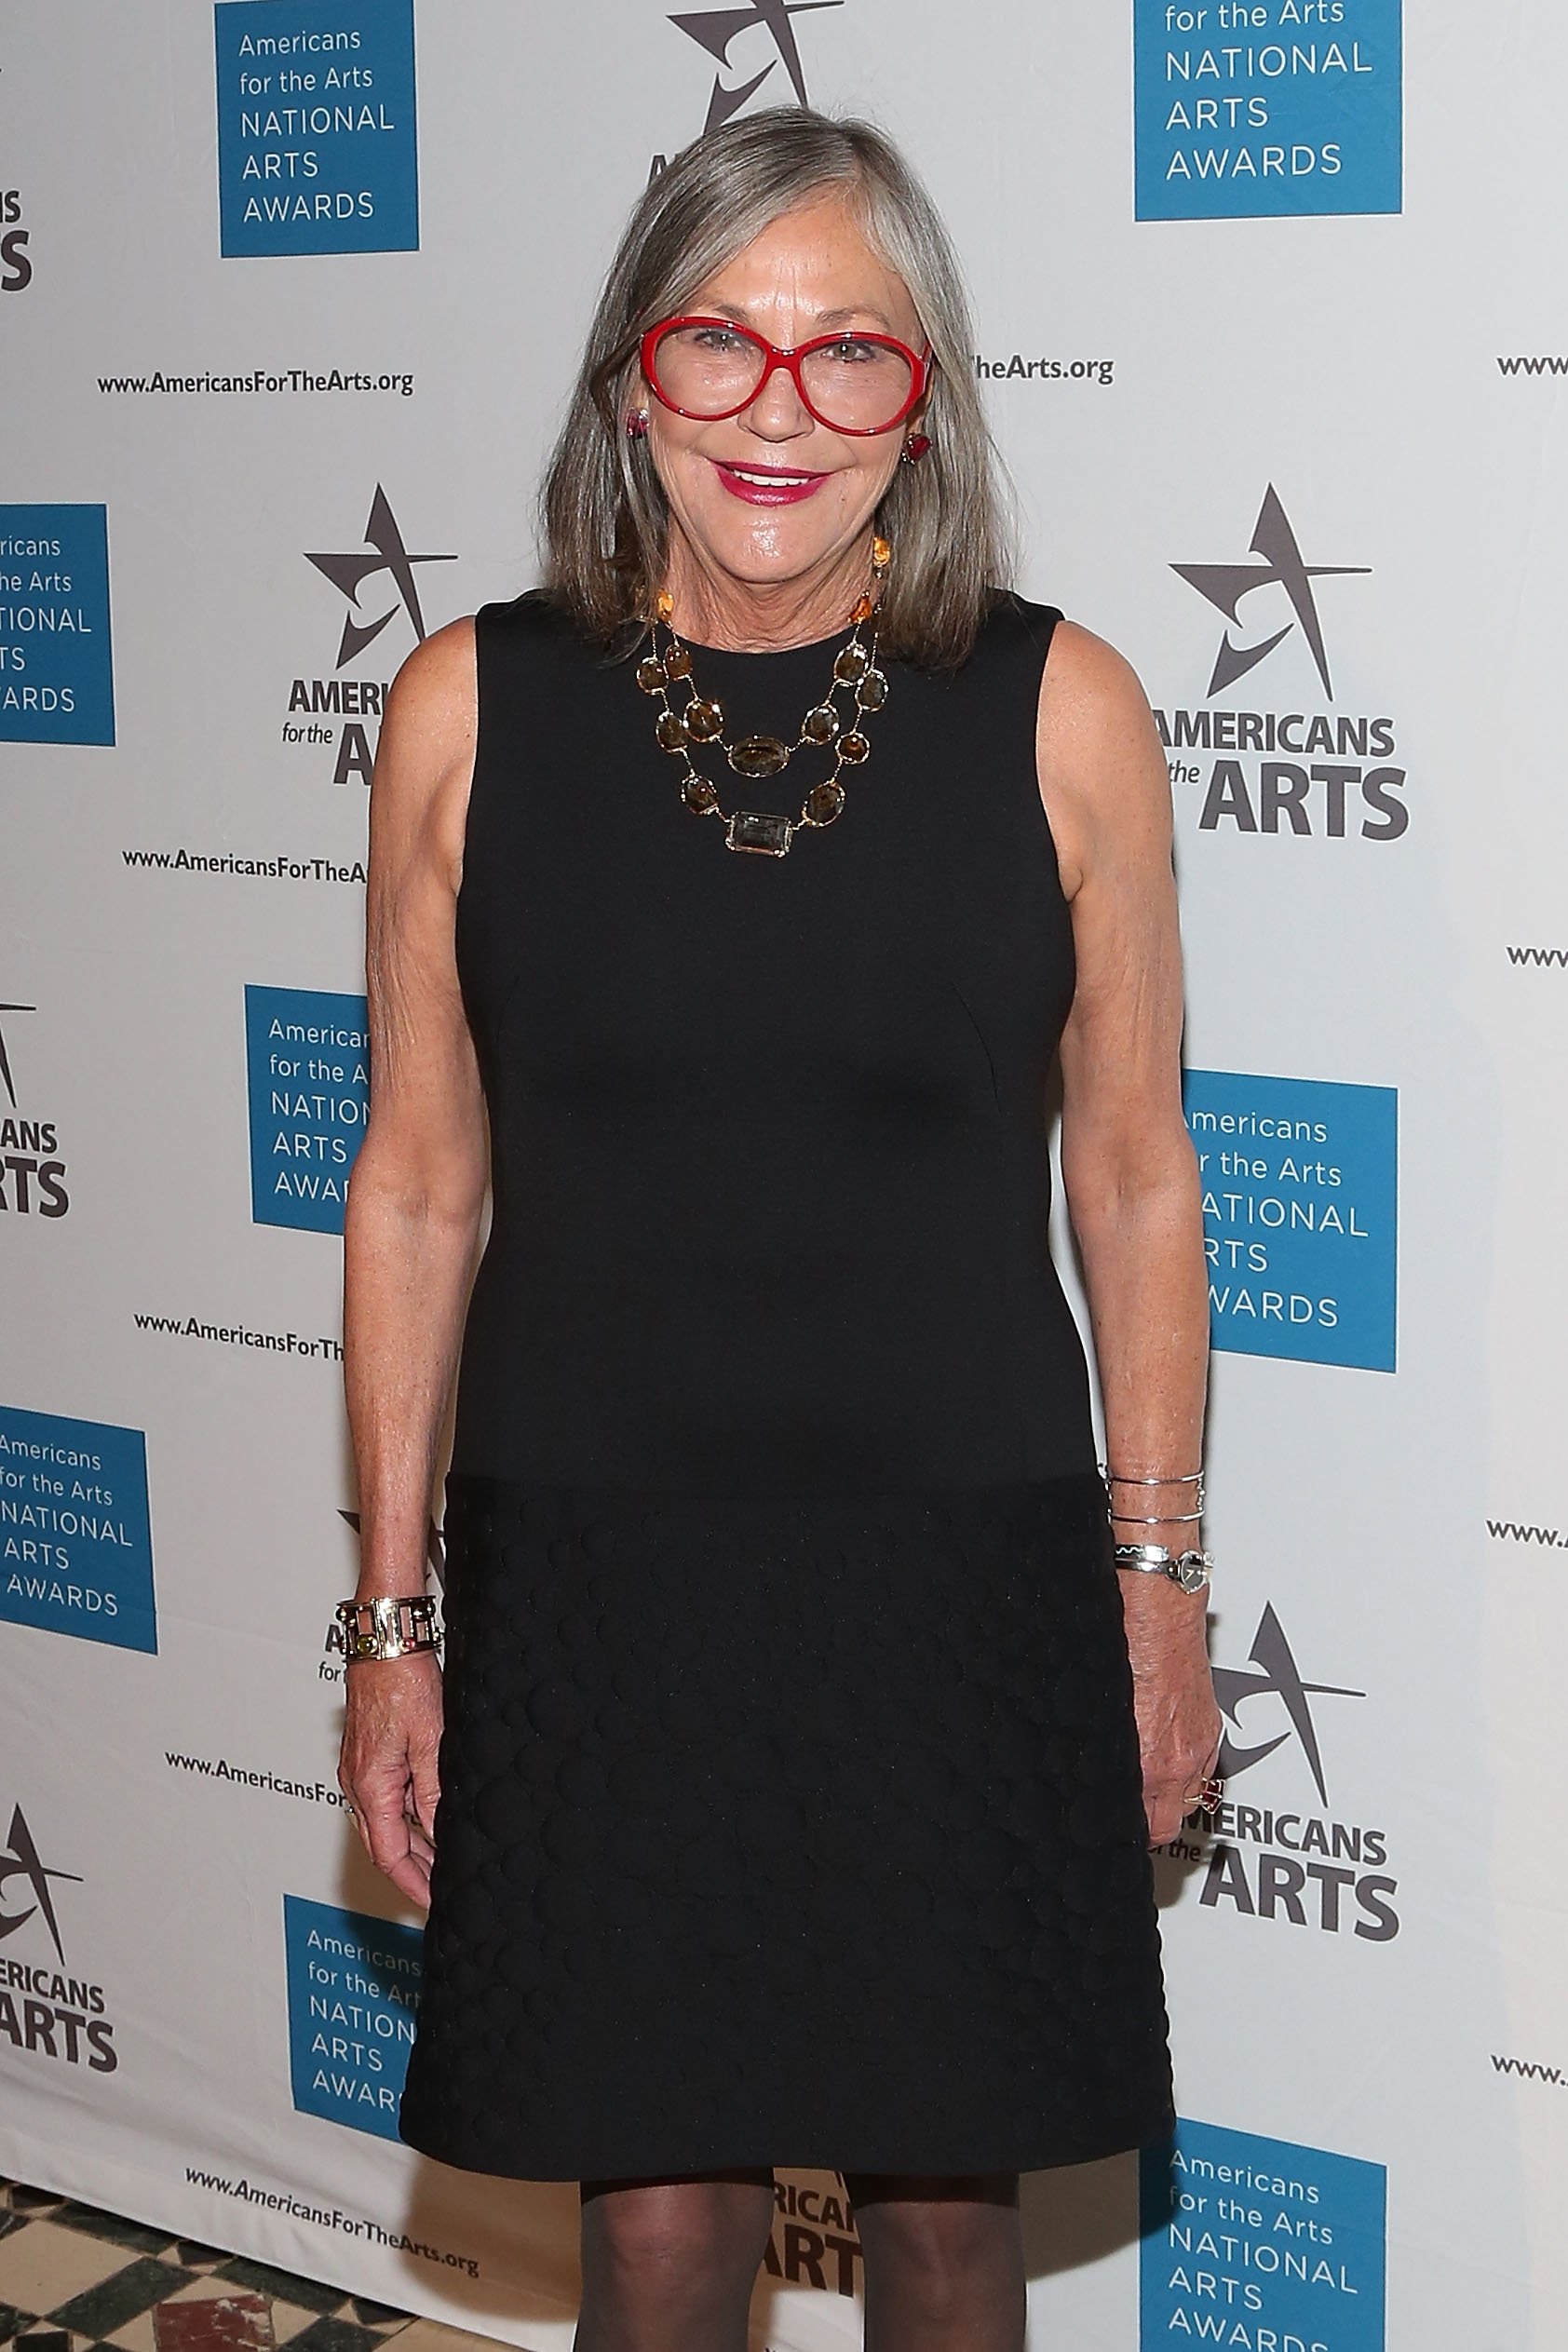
{"x": 758, "y": 829}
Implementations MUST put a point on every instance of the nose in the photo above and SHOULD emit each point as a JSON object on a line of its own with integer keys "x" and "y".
{"x": 778, "y": 413}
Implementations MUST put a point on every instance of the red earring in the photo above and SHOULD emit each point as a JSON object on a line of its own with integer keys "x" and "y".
{"x": 915, "y": 448}
{"x": 637, "y": 426}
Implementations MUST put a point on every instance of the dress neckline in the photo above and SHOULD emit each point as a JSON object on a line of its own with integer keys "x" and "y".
{"x": 765, "y": 652}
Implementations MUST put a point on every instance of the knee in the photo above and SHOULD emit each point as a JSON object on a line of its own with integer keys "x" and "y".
{"x": 671, "y": 2240}
{"x": 937, "y": 2247}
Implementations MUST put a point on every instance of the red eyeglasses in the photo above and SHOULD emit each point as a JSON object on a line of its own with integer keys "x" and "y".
{"x": 709, "y": 368}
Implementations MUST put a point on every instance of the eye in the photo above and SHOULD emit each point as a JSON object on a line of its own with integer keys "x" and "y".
{"x": 722, "y": 339}
{"x": 855, "y": 350}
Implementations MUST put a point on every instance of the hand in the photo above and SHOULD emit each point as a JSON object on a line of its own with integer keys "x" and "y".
{"x": 387, "y": 1768}
{"x": 1178, "y": 1723}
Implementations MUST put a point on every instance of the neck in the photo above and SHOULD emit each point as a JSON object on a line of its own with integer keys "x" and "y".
{"x": 746, "y": 617}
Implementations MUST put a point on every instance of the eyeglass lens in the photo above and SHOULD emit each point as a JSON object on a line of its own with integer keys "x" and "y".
{"x": 857, "y": 381}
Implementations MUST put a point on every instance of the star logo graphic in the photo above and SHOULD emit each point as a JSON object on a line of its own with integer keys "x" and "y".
{"x": 1281, "y": 564}
{"x": 349, "y": 573}
{"x": 714, "y": 29}
{"x": 1273, "y": 1672}
{"x": 21, "y": 1860}
{"x": 5, "y": 1057}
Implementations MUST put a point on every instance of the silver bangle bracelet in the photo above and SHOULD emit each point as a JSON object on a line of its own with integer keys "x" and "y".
{"x": 1161, "y": 1519}
{"x": 1177, "y": 1478}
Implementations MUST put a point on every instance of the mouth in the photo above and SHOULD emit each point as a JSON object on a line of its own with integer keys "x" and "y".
{"x": 768, "y": 485}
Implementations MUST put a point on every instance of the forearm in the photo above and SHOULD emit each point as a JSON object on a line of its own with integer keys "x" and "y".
{"x": 407, "y": 1262}
{"x": 1140, "y": 1237}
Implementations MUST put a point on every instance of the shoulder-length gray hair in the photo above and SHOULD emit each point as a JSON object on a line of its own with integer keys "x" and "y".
{"x": 604, "y": 514}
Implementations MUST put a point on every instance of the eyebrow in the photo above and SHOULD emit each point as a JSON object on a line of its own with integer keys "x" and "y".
{"x": 826, "y": 322}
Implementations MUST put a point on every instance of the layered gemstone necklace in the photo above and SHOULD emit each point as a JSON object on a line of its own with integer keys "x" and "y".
{"x": 699, "y": 719}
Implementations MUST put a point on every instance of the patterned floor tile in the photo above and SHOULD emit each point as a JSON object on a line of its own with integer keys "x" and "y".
{"x": 291, "y": 2320}
{"x": 46, "y": 2264}
{"x": 135, "y": 2237}
{"x": 235, "y": 2322}
{"x": 281, "y": 2286}
{"x": 115, "y": 2300}
{"x": 433, "y": 2336}
{"x": 76, "y": 2279}
{"x": 336, "y": 2335}
{"x": 140, "y": 2334}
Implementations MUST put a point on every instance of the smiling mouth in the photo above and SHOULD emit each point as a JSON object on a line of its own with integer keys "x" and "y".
{"x": 767, "y": 485}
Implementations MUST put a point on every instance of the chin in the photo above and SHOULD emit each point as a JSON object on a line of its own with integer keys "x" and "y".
{"x": 768, "y": 558}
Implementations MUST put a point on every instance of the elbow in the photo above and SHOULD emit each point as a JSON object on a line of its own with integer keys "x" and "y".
{"x": 437, "y": 1197}
{"x": 1131, "y": 1182}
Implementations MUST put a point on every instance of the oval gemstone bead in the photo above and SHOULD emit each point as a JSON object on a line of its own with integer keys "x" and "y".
{"x": 758, "y": 755}
{"x": 699, "y": 794}
{"x": 820, "y": 725}
{"x": 670, "y": 729}
{"x": 871, "y": 691}
{"x": 652, "y": 676}
{"x": 823, "y": 803}
{"x": 705, "y": 721}
{"x": 852, "y": 663}
{"x": 863, "y": 611}
{"x": 853, "y": 748}
{"x": 678, "y": 662}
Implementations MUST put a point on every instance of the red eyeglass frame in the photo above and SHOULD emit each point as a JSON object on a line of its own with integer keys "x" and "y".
{"x": 789, "y": 360}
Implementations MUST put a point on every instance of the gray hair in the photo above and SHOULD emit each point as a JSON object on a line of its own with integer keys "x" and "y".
{"x": 605, "y": 521}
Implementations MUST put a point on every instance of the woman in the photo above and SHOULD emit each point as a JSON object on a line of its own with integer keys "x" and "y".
{"x": 796, "y": 1792}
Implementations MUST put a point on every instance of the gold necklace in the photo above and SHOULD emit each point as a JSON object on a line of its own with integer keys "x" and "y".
{"x": 701, "y": 720}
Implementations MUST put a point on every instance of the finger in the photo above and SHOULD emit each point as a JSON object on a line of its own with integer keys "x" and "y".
{"x": 426, "y": 1794}
{"x": 411, "y": 1878}
{"x": 1163, "y": 1818}
{"x": 352, "y": 1811}
{"x": 384, "y": 1828}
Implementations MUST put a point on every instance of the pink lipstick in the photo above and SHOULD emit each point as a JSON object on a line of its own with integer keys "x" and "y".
{"x": 767, "y": 485}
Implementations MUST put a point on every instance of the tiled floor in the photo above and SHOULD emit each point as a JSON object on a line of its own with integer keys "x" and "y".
{"x": 73, "y": 2279}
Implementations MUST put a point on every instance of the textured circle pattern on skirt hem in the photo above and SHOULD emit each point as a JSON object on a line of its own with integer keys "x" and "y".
{"x": 795, "y": 1830}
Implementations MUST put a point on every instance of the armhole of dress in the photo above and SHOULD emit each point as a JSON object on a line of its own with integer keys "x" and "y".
{"x": 1040, "y": 620}
{"x": 473, "y": 815}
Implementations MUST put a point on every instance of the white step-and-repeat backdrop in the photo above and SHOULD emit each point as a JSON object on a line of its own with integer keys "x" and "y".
{"x": 1271, "y": 323}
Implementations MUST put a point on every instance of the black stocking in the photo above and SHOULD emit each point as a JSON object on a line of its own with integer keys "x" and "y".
{"x": 669, "y": 2265}
{"x": 943, "y": 2261}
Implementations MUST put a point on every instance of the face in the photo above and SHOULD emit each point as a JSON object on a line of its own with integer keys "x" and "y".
{"x": 771, "y": 498}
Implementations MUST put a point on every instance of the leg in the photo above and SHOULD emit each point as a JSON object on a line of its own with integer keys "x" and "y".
{"x": 669, "y": 2265}
{"x": 943, "y": 2261}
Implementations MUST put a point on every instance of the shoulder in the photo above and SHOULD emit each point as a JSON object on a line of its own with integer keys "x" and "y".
{"x": 434, "y": 692}
{"x": 1102, "y": 767}
{"x": 1089, "y": 693}
{"x": 424, "y": 758}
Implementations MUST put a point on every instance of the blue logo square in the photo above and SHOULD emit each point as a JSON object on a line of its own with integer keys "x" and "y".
{"x": 75, "y": 1532}
{"x": 352, "y": 1998}
{"x": 1255, "y": 2241}
{"x": 1300, "y": 1215}
{"x": 1245, "y": 111}
{"x": 307, "y": 1056}
{"x": 57, "y": 663}
{"x": 318, "y": 127}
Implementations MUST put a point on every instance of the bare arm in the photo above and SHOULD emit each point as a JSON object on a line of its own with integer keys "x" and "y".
{"x": 414, "y": 1202}
{"x": 1129, "y": 1170}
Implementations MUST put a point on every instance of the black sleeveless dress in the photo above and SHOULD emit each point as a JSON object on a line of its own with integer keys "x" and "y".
{"x": 791, "y": 1804}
